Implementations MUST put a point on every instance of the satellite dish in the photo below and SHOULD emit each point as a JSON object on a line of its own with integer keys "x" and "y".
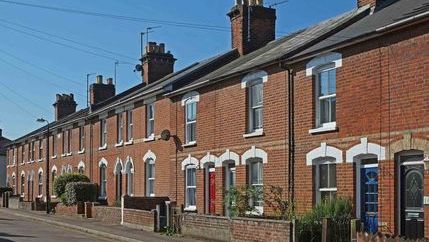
{"x": 138, "y": 67}
{"x": 165, "y": 134}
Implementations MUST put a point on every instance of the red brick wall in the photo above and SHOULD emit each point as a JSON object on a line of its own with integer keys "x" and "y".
{"x": 139, "y": 219}
{"x": 110, "y": 215}
{"x": 73, "y": 210}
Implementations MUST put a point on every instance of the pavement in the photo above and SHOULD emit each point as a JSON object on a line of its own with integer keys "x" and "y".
{"x": 18, "y": 225}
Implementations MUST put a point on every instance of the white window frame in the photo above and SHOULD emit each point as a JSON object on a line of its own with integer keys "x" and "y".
{"x": 251, "y": 162}
{"x": 319, "y": 99}
{"x": 69, "y": 142}
{"x": 130, "y": 129}
{"x": 190, "y": 98}
{"x": 33, "y": 150}
{"x": 54, "y": 146}
{"x": 150, "y": 121}
{"x": 81, "y": 139}
{"x": 150, "y": 179}
{"x": 103, "y": 133}
{"x": 119, "y": 129}
{"x": 129, "y": 172}
{"x": 40, "y": 150}
{"x": 187, "y": 206}
{"x": 22, "y": 192}
{"x": 319, "y": 190}
{"x": 252, "y": 109}
{"x": 40, "y": 187}
{"x": 103, "y": 182}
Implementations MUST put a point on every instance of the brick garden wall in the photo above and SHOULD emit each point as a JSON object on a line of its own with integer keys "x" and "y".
{"x": 139, "y": 219}
{"x": 107, "y": 214}
{"x": 237, "y": 229}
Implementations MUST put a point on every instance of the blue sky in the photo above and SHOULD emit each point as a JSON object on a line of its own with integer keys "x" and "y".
{"x": 32, "y": 71}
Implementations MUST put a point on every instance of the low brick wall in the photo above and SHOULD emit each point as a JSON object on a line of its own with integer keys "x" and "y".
{"x": 14, "y": 202}
{"x": 144, "y": 203}
{"x": 73, "y": 210}
{"x": 28, "y": 206}
{"x": 237, "y": 229}
{"x": 140, "y": 219}
{"x": 206, "y": 226}
{"x": 110, "y": 215}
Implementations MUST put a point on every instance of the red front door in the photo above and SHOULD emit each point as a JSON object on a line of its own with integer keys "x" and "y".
{"x": 212, "y": 192}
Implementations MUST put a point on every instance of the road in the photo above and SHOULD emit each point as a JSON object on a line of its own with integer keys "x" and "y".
{"x": 14, "y": 228}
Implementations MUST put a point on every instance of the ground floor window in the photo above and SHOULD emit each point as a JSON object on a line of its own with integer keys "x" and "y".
{"x": 130, "y": 179}
{"x": 22, "y": 184}
{"x": 40, "y": 183}
{"x": 103, "y": 180}
{"x": 191, "y": 186}
{"x": 256, "y": 180}
{"x": 326, "y": 181}
{"x": 150, "y": 178}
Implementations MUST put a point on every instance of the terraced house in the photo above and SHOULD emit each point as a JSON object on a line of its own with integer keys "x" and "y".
{"x": 338, "y": 109}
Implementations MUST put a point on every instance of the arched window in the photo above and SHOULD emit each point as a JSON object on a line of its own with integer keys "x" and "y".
{"x": 190, "y": 165}
{"x": 189, "y": 101}
{"x": 149, "y": 159}
{"x": 324, "y": 70}
{"x": 54, "y": 177}
{"x": 118, "y": 179}
{"x": 81, "y": 167}
{"x": 13, "y": 184}
{"x": 40, "y": 179}
{"x": 129, "y": 170}
{"x": 22, "y": 184}
{"x": 103, "y": 178}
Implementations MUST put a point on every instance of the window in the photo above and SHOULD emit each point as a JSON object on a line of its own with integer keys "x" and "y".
{"x": 191, "y": 187}
{"x": 129, "y": 125}
{"x": 130, "y": 178}
{"x": 118, "y": 178}
{"x": 82, "y": 138}
{"x": 13, "y": 185}
{"x": 54, "y": 177}
{"x": 69, "y": 143}
{"x": 119, "y": 128}
{"x": 54, "y": 146}
{"x": 256, "y": 180}
{"x": 22, "y": 184}
{"x": 64, "y": 145}
{"x": 150, "y": 178}
{"x": 256, "y": 105}
{"x": 40, "y": 149}
{"x": 40, "y": 184}
{"x": 326, "y": 182}
{"x": 103, "y": 133}
{"x": 81, "y": 167}
{"x": 326, "y": 95}
{"x": 103, "y": 181}
{"x": 22, "y": 154}
{"x": 191, "y": 121}
{"x": 32, "y": 150}
{"x": 150, "y": 120}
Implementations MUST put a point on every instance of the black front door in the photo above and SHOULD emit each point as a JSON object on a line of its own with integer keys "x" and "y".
{"x": 412, "y": 212}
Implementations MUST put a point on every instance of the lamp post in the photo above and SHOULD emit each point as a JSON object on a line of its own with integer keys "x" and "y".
{"x": 48, "y": 196}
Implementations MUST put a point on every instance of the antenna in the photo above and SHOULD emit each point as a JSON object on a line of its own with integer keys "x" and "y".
{"x": 278, "y": 3}
{"x": 148, "y": 30}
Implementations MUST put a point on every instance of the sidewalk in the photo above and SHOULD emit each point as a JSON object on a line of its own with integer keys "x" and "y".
{"x": 111, "y": 231}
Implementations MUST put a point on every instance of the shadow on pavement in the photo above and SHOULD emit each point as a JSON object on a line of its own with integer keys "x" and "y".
{"x": 13, "y": 236}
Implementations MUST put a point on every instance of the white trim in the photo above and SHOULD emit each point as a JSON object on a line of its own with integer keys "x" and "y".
{"x": 103, "y": 161}
{"x": 189, "y": 161}
{"x": 331, "y": 57}
{"x": 40, "y": 170}
{"x": 190, "y": 97}
{"x": 190, "y": 144}
{"x": 129, "y": 142}
{"x": 256, "y": 133}
{"x": 326, "y": 127}
{"x": 149, "y": 155}
{"x": 103, "y": 147}
{"x": 150, "y": 138}
{"x": 69, "y": 169}
{"x": 227, "y": 156}
{"x": 209, "y": 158}
{"x": 120, "y": 144}
{"x": 118, "y": 162}
{"x": 358, "y": 160}
{"x": 54, "y": 168}
{"x": 81, "y": 151}
{"x": 254, "y": 76}
{"x": 22, "y": 173}
{"x": 324, "y": 151}
{"x": 129, "y": 160}
{"x": 81, "y": 165}
{"x": 13, "y": 174}
{"x": 365, "y": 148}
{"x": 254, "y": 153}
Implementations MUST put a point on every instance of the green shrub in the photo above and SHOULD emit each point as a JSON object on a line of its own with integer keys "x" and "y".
{"x": 61, "y": 182}
{"x": 5, "y": 189}
{"x": 239, "y": 200}
{"x": 79, "y": 192}
{"x": 310, "y": 224}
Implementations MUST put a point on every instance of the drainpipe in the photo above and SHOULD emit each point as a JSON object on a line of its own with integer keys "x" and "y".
{"x": 290, "y": 132}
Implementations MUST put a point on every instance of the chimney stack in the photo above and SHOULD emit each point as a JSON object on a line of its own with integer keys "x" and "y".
{"x": 64, "y": 106}
{"x": 100, "y": 91}
{"x": 372, "y": 3}
{"x": 252, "y": 25}
{"x": 156, "y": 63}
{"x": 1, "y": 133}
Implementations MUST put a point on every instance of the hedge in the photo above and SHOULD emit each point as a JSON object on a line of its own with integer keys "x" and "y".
{"x": 61, "y": 182}
{"x": 79, "y": 192}
{"x": 5, "y": 189}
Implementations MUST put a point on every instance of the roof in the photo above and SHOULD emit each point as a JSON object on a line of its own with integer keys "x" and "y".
{"x": 384, "y": 16}
{"x": 278, "y": 49}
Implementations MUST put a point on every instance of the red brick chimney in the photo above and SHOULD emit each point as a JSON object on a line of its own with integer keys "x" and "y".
{"x": 100, "y": 91}
{"x": 156, "y": 63}
{"x": 252, "y": 25}
{"x": 64, "y": 106}
{"x": 373, "y": 3}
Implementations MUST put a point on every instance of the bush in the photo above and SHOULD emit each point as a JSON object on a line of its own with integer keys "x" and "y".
{"x": 239, "y": 200}
{"x": 79, "y": 192}
{"x": 61, "y": 182}
{"x": 310, "y": 224}
{"x": 5, "y": 189}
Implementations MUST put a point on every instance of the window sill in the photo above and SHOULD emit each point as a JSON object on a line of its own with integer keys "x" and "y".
{"x": 54, "y": 157}
{"x": 190, "y": 209}
{"x": 69, "y": 154}
{"x": 130, "y": 142}
{"x": 101, "y": 198}
{"x": 40, "y": 196}
{"x": 256, "y": 133}
{"x": 190, "y": 144}
{"x": 149, "y": 139}
{"x": 81, "y": 152}
{"x": 63, "y": 155}
{"x": 39, "y": 160}
{"x": 32, "y": 161}
{"x": 103, "y": 147}
{"x": 120, "y": 144}
{"x": 328, "y": 127}
{"x": 53, "y": 196}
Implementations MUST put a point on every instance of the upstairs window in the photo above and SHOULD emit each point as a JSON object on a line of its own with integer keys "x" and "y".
{"x": 69, "y": 139}
{"x": 326, "y": 95}
{"x": 54, "y": 146}
{"x": 120, "y": 128}
{"x": 150, "y": 120}
{"x": 103, "y": 133}
{"x": 33, "y": 150}
{"x": 22, "y": 154}
{"x": 129, "y": 125}
{"x": 64, "y": 143}
{"x": 40, "y": 149}
{"x": 82, "y": 138}
{"x": 256, "y": 105}
{"x": 189, "y": 102}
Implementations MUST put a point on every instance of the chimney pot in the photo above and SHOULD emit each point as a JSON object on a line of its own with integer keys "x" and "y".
{"x": 110, "y": 81}
{"x": 99, "y": 79}
{"x": 156, "y": 63}
{"x": 99, "y": 91}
